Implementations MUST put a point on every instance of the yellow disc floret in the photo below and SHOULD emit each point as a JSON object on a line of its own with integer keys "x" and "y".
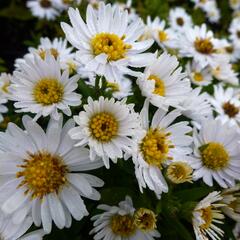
{"x": 198, "y": 77}
{"x": 159, "y": 85}
{"x": 162, "y": 35}
{"x": 179, "y": 172}
{"x": 214, "y": 156}
{"x": 103, "y": 127}
{"x": 155, "y": 147}
{"x": 207, "y": 216}
{"x": 123, "y": 225}
{"x": 42, "y": 173}
{"x": 45, "y": 3}
{"x": 145, "y": 219}
{"x": 204, "y": 46}
{"x": 230, "y": 109}
{"x": 54, "y": 52}
{"x": 48, "y": 91}
{"x": 110, "y": 44}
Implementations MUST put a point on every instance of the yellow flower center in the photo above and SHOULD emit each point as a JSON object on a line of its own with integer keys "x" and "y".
{"x": 113, "y": 86}
{"x": 198, "y": 77}
{"x": 214, "y": 156}
{"x": 155, "y": 147}
{"x": 207, "y": 216}
{"x": 110, "y": 44}
{"x": 48, "y": 91}
{"x": 180, "y": 21}
{"x": 45, "y": 3}
{"x": 162, "y": 35}
{"x": 159, "y": 85}
{"x": 67, "y": 1}
{"x": 54, "y": 52}
{"x": 5, "y": 87}
{"x": 230, "y": 109}
{"x": 42, "y": 173}
{"x": 123, "y": 225}
{"x": 204, "y": 46}
{"x": 103, "y": 127}
{"x": 179, "y": 172}
{"x": 145, "y": 219}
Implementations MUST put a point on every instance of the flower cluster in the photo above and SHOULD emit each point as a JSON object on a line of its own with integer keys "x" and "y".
{"x": 151, "y": 105}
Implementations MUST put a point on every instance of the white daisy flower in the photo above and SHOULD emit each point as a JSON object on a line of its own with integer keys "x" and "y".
{"x": 200, "y": 44}
{"x": 9, "y": 230}
{"x": 107, "y": 127}
{"x": 234, "y": 4}
{"x": 199, "y": 76}
{"x": 223, "y": 71}
{"x": 200, "y": 3}
{"x": 157, "y": 143}
{"x": 216, "y": 153}
{"x": 231, "y": 199}
{"x": 179, "y": 19}
{"x": 39, "y": 87}
{"x": 196, "y": 106}
{"x": 107, "y": 44}
{"x": 206, "y": 216}
{"x": 234, "y": 30}
{"x": 123, "y": 222}
{"x": 43, "y": 9}
{"x": 226, "y": 104}
{"x": 43, "y": 170}
{"x": 164, "y": 83}
{"x": 212, "y": 11}
{"x": 165, "y": 37}
{"x": 233, "y": 52}
{"x": 5, "y": 81}
{"x": 63, "y": 5}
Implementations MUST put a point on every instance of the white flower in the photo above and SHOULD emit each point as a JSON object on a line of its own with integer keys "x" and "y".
{"x": 205, "y": 217}
{"x": 107, "y": 44}
{"x": 226, "y": 104}
{"x": 107, "y": 127}
{"x": 200, "y": 44}
{"x": 157, "y": 143}
{"x": 233, "y": 52}
{"x": 231, "y": 199}
{"x": 212, "y": 11}
{"x": 216, "y": 153}
{"x": 39, "y": 87}
{"x": 5, "y": 81}
{"x": 11, "y": 231}
{"x": 196, "y": 106}
{"x": 62, "y": 5}
{"x": 43, "y": 174}
{"x": 120, "y": 222}
{"x": 179, "y": 20}
{"x": 234, "y": 4}
{"x": 199, "y": 76}
{"x": 235, "y": 32}
{"x": 164, "y": 83}
{"x": 43, "y": 9}
{"x": 223, "y": 71}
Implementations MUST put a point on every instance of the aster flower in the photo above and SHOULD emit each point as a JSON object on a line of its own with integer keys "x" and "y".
{"x": 164, "y": 83}
{"x": 226, "y": 105}
{"x": 199, "y": 76}
{"x": 9, "y": 230}
{"x": 200, "y": 44}
{"x": 196, "y": 106}
{"x": 123, "y": 222}
{"x": 216, "y": 153}
{"x": 107, "y": 43}
{"x": 234, "y": 30}
{"x": 231, "y": 199}
{"x": 206, "y": 215}
{"x": 62, "y": 5}
{"x": 107, "y": 126}
{"x": 5, "y": 81}
{"x": 179, "y": 19}
{"x": 157, "y": 143}
{"x": 43, "y": 9}
{"x": 43, "y": 174}
{"x": 39, "y": 87}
